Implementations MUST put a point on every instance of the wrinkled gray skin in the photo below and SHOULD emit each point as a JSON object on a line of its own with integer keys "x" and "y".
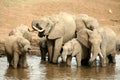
{"x": 102, "y": 42}
{"x": 16, "y": 48}
{"x": 71, "y": 49}
{"x": 22, "y": 30}
{"x": 43, "y": 48}
{"x": 58, "y": 29}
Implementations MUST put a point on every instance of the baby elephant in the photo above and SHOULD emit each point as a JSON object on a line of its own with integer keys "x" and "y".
{"x": 70, "y": 49}
{"x": 16, "y": 48}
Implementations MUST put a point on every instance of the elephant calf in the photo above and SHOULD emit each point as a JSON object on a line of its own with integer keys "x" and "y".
{"x": 73, "y": 48}
{"x": 16, "y": 48}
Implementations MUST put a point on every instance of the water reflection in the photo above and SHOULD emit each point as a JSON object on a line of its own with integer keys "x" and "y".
{"x": 17, "y": 74}
{"x": 71, "y": 73}
{"x": 39, "y": 70}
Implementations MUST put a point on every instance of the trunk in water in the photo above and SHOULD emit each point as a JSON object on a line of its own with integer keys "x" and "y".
{"x": 94, "y": 53}
{"x": 93, "y": 57}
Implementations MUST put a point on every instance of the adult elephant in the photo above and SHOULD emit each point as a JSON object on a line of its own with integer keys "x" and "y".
{"x": 58, "y": 29}
{"x": 101, "y": 41}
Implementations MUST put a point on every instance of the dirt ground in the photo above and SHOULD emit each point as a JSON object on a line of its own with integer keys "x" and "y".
{"x": 16, "y": 12}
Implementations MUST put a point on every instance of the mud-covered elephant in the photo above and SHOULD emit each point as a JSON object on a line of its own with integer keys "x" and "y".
{"x": 43, "y": 48}
{"x": 58, "y": 29}
{"x": 22, "y": 30}
{"x": 101, "y": 41}
{"x": 16, "y": 48}
{"x": 74, "y": 48}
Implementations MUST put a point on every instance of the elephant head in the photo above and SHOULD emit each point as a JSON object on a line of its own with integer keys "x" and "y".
{"x": 24, "y": 44}
{"x": 48, "y": 26}
{"x": 95, "y": 41}
{"x": 85, "y": 21}
{"x": 91, "y": 40}
{"x": 91, "y": 23}
{"x": 43, "y": 26}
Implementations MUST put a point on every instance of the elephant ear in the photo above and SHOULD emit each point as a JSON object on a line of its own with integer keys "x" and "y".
{"x": 19, "y": 42}
{"x": 82, "y": 37}
{"x": 56, "y": 32}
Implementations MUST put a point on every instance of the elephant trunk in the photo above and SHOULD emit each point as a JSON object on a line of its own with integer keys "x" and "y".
{"x": 95, "y": 51}
{"x": 93, "y": 57}
{"x": 64, "y": 57}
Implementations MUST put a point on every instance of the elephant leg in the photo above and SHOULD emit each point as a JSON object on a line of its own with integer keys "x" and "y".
{"x": 104, "y": 60}
{"x": 113, "y": 58}
{"x": 43, "y": 50}
{"x": 57, "y": 49}
{"x": 50, "y": 49}
{"x": 9, "y": 59}
{"x": 15, "y": 60}
{"x": 20, "y": 61}
{"x": 78, "y": 59}
{"x": 43, "y": 56}
{"x": 69, "y": 58}
{"x": 24, "y": 61}
{"x": 103, "y": 51}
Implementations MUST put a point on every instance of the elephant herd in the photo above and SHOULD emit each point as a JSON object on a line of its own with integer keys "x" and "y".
{"x": 64, "y": 35}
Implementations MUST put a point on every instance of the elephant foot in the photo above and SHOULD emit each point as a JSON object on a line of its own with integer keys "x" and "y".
{"x": 10, "y": 65}
{"x": 104, "y": 65}
{"x": 114, "y": 61}
{"x": 43, "y": 58}
{"x": 55, "y": 62}
{"x": 25, "y": 66}
{"x": 14, "y": 67}
{"x": 78, "y": 65}
{"x": 68, "y": 64}
{"x": 92, "y": 64}
{"x": 85, "y": 62}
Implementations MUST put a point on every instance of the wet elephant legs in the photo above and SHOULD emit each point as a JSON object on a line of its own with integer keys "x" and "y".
{"x": 54, "y": 47}
{"x": 50, "y": 49}
{"x": 57, "y": 49}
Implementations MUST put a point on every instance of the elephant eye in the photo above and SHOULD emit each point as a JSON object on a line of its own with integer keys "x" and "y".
{"x": 91, "y": 27}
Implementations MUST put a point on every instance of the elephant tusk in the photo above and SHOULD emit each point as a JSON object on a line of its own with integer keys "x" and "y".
{"x": 38, "y": 29}
{"x": 101, "y": 54}
{"x": 91, "y": 55}
{"x": 65, "y": 58}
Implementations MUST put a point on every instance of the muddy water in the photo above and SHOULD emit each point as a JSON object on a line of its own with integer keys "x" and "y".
{"x": 39, "y": 70}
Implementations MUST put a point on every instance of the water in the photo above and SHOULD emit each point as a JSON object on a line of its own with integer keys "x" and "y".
{"x": 39, "y": 70}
